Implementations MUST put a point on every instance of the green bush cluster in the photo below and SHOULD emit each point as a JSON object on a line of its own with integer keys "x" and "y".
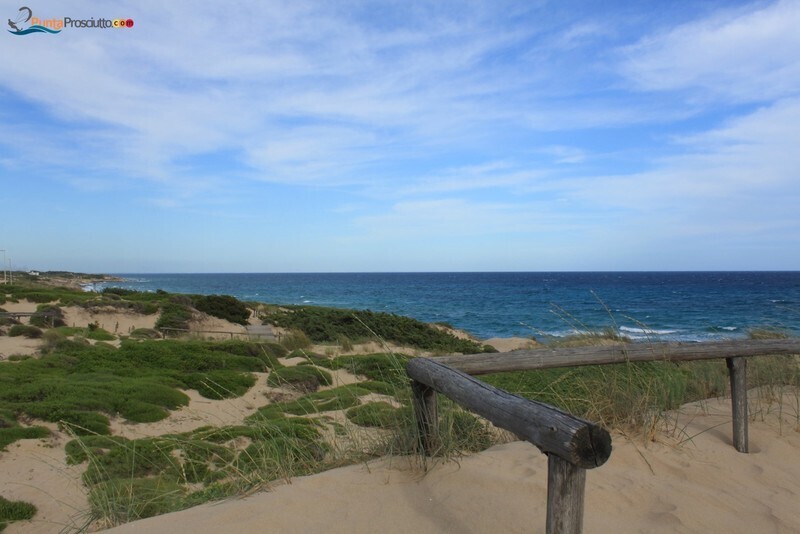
{"x": 302, "y": 377}
{"x": 25, "y": 330}
{"x": 323, "y": 325}
{"x": 223, "y": 307}
{"x": 174, "y": 315}
{"x": 54, "y": 317}
{"x": 11, "y": 431}
{"x": 81, "y": 384}
{"x": 14, "y": 511}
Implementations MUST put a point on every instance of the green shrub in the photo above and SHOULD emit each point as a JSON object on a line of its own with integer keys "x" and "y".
{"x": 174, "y": 315}
{"x": 98, "y": 334}
{"x": 223, "y": 307}
{"x": 14, "y": 511}
{"x": 304, "y": 378}
{"x": 28, "y": 331}
{"x": 54, "y": 319}
{"x": 10, "y": 434}
{"x": 40, "y": 297}
{"x": 323, "y": 325}
{"x": 84, "y": 423}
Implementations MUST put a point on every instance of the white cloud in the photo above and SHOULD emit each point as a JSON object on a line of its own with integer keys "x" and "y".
{"x": 746, "y": 54}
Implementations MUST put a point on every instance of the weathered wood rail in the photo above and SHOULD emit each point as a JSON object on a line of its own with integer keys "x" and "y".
{"x": 734, "y": 352}
{"x": 249, "y": 335}
{"x": 18, "y": 315}
{"x": 571, "y": 444}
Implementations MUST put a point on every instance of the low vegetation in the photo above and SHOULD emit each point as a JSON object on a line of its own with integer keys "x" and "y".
{"x": 83, "y": 384}
{"x": 332, "y": 325}
{"x": 312, "y": 422}
{"x": 14, "y": 511}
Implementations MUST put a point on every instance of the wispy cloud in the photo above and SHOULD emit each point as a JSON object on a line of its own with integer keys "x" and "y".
{"x": 505, "y": 121}
{"x": 743, "y": 54}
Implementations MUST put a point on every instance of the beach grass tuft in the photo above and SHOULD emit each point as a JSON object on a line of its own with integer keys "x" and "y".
{"x": 14, "y": 511}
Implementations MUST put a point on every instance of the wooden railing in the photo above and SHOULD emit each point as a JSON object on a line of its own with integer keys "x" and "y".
{"x": 571, "y": 444}
{"x": 249, "y": 335}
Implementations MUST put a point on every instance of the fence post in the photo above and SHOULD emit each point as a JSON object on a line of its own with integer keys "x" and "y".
{"x": 737, "y": 368}
{"x": 427, "y": 416}
{"x": 566, "y": 485}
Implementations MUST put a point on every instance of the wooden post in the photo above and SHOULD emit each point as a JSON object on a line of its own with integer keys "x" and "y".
{"x": 566, "y": 484}
{"x": 737, "y": 367}
{"x": 427, "y": 415}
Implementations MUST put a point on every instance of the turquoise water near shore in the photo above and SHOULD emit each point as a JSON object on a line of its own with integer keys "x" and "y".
{"x": 664, "y": 306}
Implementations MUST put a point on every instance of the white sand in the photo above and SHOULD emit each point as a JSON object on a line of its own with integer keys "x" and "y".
{"x": 507, "y": 344}
{"x": 35, "y": 471}
{"x": 700, "y": 485}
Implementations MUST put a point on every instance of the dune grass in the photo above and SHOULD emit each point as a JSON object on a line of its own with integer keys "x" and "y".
{"x": 312, "y": 424}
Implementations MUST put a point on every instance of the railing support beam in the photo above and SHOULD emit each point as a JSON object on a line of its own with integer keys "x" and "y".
{"x": 566, "y": 485}
{"x": 427, "y": 416}
{"x": 737, "y": 368}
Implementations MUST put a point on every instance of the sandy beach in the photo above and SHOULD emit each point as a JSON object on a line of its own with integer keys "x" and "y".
{"x": 688, "y": 480}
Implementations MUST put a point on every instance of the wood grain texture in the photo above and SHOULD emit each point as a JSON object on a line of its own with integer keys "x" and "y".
{"x": 545, "y": 358}
{"x": 566, "y": 486}
{"x": 552, "y": 430}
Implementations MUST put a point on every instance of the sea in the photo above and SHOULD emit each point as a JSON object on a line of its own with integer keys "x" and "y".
{"x": 644, "y": 306}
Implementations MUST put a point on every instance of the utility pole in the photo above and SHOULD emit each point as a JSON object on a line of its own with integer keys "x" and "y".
{"x": 5, "y": 272}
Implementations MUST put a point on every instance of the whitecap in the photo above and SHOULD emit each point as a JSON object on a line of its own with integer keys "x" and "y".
{"x": 646, "y": 331}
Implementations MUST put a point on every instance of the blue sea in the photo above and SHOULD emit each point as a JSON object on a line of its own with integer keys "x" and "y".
{"x": 661, "y": 306}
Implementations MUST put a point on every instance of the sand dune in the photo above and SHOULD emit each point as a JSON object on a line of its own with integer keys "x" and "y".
{"x": 689, "y": 479}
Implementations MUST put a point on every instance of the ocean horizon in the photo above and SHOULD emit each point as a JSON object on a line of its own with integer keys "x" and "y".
{"x": 642, "y": 305}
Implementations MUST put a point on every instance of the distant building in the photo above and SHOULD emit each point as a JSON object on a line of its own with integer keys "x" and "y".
{"x": 33, "y": 273}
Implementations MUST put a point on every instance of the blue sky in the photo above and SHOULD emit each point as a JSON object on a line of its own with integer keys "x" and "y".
{"x": 403, "y": 136}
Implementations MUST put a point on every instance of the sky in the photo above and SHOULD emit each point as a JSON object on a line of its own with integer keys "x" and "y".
{"x": 361, "y": 136}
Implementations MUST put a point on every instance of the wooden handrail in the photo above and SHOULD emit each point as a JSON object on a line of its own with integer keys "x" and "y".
{"x": 572, "y": 444}
{"x": 547, "y": 358}
{"x": 552, "y": 430}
